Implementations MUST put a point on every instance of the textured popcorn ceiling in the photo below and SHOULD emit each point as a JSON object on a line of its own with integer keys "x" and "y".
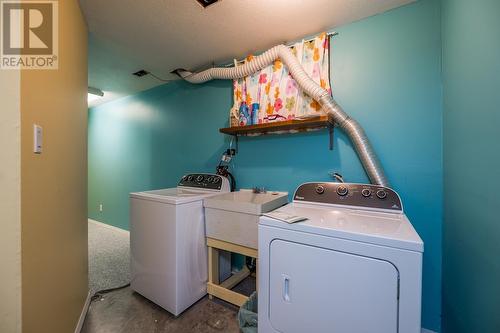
{"x": 161, "y": 35}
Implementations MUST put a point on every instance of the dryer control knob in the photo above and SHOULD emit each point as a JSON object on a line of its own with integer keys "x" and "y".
{"x": 190, "y": 178}
{"x": 199, "y": 178}
{"x": 320, "y": 189}
{"x": 366, "y": 192}
{"x": 342, "y": 190}
{"x": 381, "y": 194}
{"x": 216, "y": 180}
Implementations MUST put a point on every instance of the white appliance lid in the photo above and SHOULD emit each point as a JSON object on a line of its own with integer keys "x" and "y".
{"x": 173, "y": 195}
{"x": 380, "y": 228}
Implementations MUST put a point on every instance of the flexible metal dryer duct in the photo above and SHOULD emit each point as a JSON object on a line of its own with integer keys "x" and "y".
{"x": 328, "y": 104}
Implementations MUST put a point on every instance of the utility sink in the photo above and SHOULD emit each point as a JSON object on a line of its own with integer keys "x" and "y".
{"x": 234, "y": 217}
{"x": 246, "y": 201}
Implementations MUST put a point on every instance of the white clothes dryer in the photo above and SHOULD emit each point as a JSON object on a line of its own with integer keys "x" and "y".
{"x": 354, "y": 266}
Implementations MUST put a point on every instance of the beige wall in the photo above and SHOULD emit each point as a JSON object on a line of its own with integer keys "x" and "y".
{"x": 10, "y": 194}
{"x": 54, "y": 184}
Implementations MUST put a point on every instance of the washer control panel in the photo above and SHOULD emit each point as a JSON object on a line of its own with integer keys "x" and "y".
{"x": 203, "y": 180}
{"x": 350, "y": 194}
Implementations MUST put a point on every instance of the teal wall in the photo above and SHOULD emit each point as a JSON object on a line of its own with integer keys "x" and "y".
{"x": 385, "y": 73}
{"x": 471, "y": 242}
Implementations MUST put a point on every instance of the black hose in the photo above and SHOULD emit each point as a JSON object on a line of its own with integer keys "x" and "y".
{"x": 100, "y": 293}
{"x": 222, "y": 170}
{"x": 232, "y": 181}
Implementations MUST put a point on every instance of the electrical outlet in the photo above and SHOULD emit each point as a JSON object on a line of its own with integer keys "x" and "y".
{"x": 100, "y": 207}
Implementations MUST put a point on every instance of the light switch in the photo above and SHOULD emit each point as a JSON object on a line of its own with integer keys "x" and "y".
{"x": 37, "y": 139}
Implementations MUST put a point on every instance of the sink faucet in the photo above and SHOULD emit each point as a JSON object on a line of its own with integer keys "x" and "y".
{"x": 257, "y": 189}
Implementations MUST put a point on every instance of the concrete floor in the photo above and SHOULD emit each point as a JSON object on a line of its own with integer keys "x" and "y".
{"x": 125, "y": 311}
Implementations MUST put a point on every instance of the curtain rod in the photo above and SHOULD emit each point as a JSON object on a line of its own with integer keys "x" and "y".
{"x": 328, "y": 34}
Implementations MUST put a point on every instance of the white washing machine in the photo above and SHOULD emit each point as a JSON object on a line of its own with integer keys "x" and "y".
{"x": 167, "y": 241}
{"x": 355, "y": 266}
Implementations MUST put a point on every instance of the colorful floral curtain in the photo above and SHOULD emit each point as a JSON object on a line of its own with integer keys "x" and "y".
{"x": 273, "y": 95}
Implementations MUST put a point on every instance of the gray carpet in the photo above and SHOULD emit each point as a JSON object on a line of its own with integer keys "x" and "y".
{"x": 109, "y": 256}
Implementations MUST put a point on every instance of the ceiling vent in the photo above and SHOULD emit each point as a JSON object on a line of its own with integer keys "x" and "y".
{"x": 141, "y": 73}
{"x": 206, "y": 3}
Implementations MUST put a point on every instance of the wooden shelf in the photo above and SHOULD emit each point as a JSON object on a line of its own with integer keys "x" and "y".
{"x": 283, "y": 127}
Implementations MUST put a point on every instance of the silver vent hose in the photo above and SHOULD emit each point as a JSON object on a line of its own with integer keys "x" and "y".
{"x": 350, "y": 126}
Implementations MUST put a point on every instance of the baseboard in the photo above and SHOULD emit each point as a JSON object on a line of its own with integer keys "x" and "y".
{"x": 424, "y": 330}
{"x": 86, "y": 305}
{"x": 109, "y": 226}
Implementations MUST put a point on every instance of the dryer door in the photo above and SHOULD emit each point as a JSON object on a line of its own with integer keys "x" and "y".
{"x": 321, "y": 290}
